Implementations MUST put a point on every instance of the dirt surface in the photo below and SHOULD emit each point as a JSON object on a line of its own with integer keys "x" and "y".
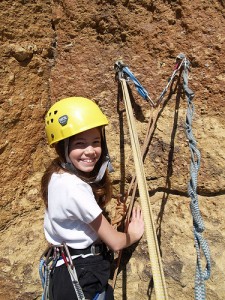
{"x": 55, "y": 49}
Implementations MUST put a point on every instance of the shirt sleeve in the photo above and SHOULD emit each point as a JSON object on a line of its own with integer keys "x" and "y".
{"x": 70, "y": 198}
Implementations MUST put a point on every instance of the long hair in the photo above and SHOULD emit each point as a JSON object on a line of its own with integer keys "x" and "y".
{"x": 102, "y": 190}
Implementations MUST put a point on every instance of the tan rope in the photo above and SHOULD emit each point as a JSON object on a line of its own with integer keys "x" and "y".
{"x": 154, "y": 253}
{"x": 133, "y": 184}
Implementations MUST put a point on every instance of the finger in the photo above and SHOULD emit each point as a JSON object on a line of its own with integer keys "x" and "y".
{"x": 139, "y": 212}
{"x": 134, "y": 212}
{"x": 138, "y": 209}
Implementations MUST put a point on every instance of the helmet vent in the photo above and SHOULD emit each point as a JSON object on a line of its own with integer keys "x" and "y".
{"x": 55, "y": 112}
{"x": 52, "y": 120}
{"x": 52, "y": 136}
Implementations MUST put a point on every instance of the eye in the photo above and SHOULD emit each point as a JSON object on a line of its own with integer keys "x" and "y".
{"x": 97, "y": 142}
{"x": 78, "y": 143}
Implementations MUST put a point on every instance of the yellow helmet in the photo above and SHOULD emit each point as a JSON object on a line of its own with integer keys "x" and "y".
{"x": 71, "y": 116}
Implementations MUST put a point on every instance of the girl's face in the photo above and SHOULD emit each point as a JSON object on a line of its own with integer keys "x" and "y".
{"x": 85, "y": 149}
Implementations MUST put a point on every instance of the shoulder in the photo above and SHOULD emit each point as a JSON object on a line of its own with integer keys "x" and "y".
{"x": 71, "y": 198}
{"x": 67, "y": 181}
{"x": 66, "y": 178}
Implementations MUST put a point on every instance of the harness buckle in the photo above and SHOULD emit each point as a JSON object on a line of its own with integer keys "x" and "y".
{"x": 96, "y": 249}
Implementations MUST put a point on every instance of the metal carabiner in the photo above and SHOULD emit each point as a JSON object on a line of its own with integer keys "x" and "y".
{"x": 68, "y": 255}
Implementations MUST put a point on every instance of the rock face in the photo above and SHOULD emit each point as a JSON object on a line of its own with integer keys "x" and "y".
{"x": 55, "y": 49}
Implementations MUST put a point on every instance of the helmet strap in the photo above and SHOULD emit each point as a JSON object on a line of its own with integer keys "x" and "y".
{"x": 106, "y": 164}
{"x": 68, "y": 165}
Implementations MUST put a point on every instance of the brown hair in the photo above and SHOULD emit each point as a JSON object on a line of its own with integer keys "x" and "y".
{"x": 102, "y": 190}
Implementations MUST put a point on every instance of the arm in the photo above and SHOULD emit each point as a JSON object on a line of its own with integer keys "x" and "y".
{"x": 118, "y": 240}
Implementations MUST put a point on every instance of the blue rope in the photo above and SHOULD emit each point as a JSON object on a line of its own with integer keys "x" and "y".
{"x": 43, "y": 276}
{"x": 121, "y": 68}
{"x": 44, "y": 272}
{"x": 45, "y": 268}
{"x": 198, "y": 225}
{"x": 141, "y": 90}
{"x": 100, "y": 296}
{"x": 41, "y": 266}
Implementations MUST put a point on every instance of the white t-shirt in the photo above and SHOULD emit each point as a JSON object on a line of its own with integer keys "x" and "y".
{"x": 71, "y": 207}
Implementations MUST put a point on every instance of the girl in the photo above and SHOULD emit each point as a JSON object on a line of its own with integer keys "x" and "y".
{"x": 75, "y": 189}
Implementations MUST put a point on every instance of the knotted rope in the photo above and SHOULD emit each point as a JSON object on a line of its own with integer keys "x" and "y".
{"x": 198, "y": 225}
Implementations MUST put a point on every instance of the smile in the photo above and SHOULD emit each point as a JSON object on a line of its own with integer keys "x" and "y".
{"x": 88, "y": 160}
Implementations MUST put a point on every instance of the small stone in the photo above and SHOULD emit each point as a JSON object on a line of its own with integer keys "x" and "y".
{"x": 20, "y": 53}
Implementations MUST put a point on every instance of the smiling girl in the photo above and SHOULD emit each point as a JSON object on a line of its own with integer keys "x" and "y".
{"x": 75, "y": 188}
{"x": 85, "y": 150}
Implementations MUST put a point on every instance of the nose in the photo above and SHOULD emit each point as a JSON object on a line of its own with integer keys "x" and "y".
{"x": 89, "y": 150}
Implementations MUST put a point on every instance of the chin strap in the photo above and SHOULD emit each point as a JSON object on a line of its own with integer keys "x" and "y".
{"x": 106, "y": 164}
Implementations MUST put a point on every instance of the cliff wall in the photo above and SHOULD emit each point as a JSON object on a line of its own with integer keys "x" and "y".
{"x": 58, "y": 48}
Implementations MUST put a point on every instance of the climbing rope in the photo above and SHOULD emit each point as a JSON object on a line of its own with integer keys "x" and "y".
{"x": 182, "y": 64}
{"x": 128, "y": 75}
{"x": 154, "y": 253}
{"x": 141, "y": 90}
{"x": 198, "y": 225}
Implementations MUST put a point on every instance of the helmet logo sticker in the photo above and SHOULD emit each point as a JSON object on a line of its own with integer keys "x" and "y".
{"x": 63, "y": 120}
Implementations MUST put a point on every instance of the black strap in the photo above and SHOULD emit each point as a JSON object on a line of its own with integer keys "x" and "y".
{"x": 94, "y": 249}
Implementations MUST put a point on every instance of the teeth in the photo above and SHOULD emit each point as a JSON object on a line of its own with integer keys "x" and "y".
{"x": 88, "y": 161}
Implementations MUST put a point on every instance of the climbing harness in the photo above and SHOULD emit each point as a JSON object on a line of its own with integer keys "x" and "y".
{"x": 198, "y": 225}
{"x": 124, "y": 75}
{"x": 47, "y": 264}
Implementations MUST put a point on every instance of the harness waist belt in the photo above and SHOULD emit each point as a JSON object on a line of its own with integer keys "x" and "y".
{"x": 94, "y": 249}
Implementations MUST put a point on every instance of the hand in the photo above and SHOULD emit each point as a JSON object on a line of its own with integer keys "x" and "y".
{"x": 136, "y": 225}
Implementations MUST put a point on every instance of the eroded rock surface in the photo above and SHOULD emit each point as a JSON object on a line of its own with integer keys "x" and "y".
{"x": 54, "y": 49}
